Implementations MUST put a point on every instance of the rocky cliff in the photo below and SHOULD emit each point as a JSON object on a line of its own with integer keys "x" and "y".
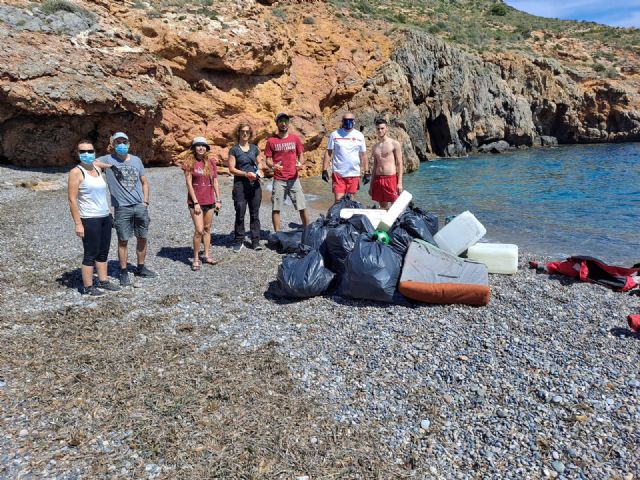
{"x": 169, "y": 71}
{"x": 450, "y": 102}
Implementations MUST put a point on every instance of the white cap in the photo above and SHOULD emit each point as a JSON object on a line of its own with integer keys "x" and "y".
{"x": 119, "y": 135}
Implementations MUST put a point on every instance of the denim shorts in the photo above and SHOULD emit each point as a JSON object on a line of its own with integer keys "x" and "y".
{"x": 131, "y": 220}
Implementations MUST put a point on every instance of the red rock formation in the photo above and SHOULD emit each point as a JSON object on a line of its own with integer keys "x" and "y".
{"x": 168, "y": 74}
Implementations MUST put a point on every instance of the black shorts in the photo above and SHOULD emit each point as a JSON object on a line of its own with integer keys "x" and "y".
{"x": 204, "y": 208}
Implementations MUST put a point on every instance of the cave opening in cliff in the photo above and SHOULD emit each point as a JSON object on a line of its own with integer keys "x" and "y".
{"x": 439, "y": 136}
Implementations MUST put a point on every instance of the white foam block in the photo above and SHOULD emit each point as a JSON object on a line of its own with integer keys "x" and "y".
{"x": 395, "y": 211}
{"x": 374, "y": 215}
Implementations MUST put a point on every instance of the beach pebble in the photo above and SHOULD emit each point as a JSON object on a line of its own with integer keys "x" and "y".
{"x": 425, "y": 424}
{"x": 558, "y": 466}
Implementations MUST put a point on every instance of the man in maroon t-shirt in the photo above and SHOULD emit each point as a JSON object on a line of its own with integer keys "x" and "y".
{"x": 284, "y": 156}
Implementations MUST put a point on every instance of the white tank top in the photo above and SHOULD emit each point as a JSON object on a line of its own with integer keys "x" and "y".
{"x": 92, "y": 196}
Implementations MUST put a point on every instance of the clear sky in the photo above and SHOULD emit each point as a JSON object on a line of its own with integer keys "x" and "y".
{"x": 619, "y": 13}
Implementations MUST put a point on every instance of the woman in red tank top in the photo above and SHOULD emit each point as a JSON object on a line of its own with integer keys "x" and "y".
{"x": 203, "y": 197}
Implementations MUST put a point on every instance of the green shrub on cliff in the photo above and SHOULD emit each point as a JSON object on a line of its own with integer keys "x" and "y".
{"x": 279, "y": 13}
{"x": 53, "y": 6}
{"x": 498, "y": 9}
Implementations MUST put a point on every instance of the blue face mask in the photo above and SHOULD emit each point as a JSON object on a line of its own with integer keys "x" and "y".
{"x": 122, "y": 148}
{"x": 87, "y": 157}
{"x": 347, "y": 123}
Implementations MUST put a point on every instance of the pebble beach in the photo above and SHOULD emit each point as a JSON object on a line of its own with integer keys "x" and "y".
{"x": 206, "y": 375}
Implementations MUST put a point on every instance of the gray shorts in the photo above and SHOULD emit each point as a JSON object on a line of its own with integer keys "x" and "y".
{"x": 292, "y": 188}
{"x": 131, "y": 220}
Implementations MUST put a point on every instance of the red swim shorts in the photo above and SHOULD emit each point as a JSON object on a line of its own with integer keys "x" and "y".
{"x": 384, "y": 188}
{"x": 345, "y": 184}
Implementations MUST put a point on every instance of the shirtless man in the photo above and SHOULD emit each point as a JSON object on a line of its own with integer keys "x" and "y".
{"x": 386, "y": 181}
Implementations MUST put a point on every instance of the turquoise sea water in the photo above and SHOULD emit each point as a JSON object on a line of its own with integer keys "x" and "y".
{"x": 570, "y": 200}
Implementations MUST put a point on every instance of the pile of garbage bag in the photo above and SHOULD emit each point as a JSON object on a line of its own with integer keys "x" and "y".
{"x": 394, "y": 256}
{"x": 358, "y": 266}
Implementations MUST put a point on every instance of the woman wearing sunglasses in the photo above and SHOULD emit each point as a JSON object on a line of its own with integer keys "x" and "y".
{"x": 87, "y": 193}
{"x": 246, "y": 167}
{"x": 203, "y": 197}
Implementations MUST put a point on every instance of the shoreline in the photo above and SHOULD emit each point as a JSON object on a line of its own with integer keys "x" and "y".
{"x": 198, "y": 372}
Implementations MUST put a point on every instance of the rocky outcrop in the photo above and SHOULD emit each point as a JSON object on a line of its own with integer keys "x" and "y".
{"x": 494, "y": 147}
{"x": 166, "y": 74}
{"x": 449, "y": 103}
{"x": 56, "y": 89}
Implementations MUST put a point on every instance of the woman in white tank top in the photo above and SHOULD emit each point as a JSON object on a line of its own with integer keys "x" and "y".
{"x": 87, "y": 192}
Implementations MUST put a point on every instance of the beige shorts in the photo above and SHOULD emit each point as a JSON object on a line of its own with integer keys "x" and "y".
{"x": 292, "y": 188}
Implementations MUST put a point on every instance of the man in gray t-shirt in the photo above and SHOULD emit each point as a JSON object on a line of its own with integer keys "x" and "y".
{"x": 130, "y": 200}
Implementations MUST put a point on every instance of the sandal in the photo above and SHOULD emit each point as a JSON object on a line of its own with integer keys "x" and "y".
{"x": 195, "y": 266}
{"x": 210, "y": 261}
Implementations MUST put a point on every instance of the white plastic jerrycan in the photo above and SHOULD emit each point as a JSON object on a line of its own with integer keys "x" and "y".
{"x": 498, "y": 257}
{"x": 459, "y": 234}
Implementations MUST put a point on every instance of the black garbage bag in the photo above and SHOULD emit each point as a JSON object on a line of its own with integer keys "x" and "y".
{"x": 341, "y": 239}
{"x": 303, "y": 275}
{"x": 418, "y": 223}
{"x": 399, "y": 241}
{"x": 345, "y": 202}
{"x": 285, "y": 242}
{"x": 431, "y": 219}
{"x": 372, "y": 272}
{"x": 315, "y": 234}
{"x": 362, "y": 224}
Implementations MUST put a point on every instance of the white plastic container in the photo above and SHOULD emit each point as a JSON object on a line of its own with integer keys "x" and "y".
{"x": 394, "y": 212}
{"x": 459, "y": 234}
{"x": 374, "y": 215}
{"x": 498, "y": 257}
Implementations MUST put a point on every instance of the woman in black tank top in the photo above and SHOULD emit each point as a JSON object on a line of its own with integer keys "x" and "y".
{"x": 247, "y": 168}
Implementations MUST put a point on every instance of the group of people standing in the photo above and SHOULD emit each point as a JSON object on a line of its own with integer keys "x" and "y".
{"x": 283, "y": 156}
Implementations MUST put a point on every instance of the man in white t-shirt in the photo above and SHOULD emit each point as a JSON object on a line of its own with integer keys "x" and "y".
{"x": 347, "y": 153}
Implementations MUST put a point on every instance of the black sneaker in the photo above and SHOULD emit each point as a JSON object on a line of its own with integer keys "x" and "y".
{"x": 109, "y": 286}
{"x": 255, "y": 245}
{"x": 144, "y": 272}
{"x": 236, "y": 247}
{"x": 125, "y": 281}
{"x": 92, "y": 291}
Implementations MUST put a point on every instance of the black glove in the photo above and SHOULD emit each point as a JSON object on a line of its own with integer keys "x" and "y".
{"x": 366, "y": 178}
{"x": 325, "y": 176}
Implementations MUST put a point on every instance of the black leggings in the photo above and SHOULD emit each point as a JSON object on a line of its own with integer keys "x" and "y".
{"x": 96, "y": 240}
{"x": 246, "y": 193}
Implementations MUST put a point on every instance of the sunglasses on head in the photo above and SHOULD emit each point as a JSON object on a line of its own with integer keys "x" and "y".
{"x": 86, "y": 151}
